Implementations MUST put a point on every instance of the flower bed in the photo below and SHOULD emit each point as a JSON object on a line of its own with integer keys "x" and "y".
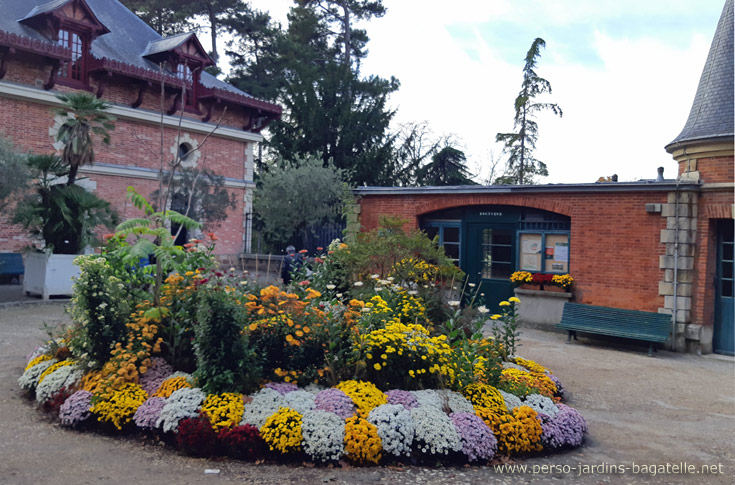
{"x": 369, "y": 368}
{"x": 359, "y": 425}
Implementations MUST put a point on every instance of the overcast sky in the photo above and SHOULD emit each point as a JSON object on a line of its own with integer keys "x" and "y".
{"x": 623, "y": 71}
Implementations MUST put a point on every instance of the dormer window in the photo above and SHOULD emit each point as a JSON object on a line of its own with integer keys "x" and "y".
{"x": 73, "y": 71}
{"x": 185, "y": 56}
{"x": 191, "y": 78}
{"x": 183, "y": 71}
{"x": 74, "y": 26}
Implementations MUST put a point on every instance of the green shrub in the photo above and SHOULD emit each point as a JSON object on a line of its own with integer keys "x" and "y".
{"x": 223, "y": 361}
{"x": 99, "y": 309}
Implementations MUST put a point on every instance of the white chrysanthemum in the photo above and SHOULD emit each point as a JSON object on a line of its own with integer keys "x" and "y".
{"x": 43, "y": 349}
{"x": 29, "y": 379}
{"x": 323, "y": 435}
{"x": 181, "y": 404}
{"x": 511, "y": 365}
{"x": 314, "y": 388}
{"x": 455, "y": 401}
{"x": 265, "y": 403}
{"x": 302, "y": 401}
{"x": 428, "y": 397}
{"x": 434, "y": 431}
{"x": 511, "y": 400}
{"x": 63, "y": 377}
{"x": 541, "y": 404}
{"x": 395, "y": 428}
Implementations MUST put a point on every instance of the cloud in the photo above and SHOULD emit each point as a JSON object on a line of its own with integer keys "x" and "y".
{"x": 624, "y": 71}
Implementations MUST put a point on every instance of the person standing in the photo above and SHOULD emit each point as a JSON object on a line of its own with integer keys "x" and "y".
{"x": 291, "y": 263}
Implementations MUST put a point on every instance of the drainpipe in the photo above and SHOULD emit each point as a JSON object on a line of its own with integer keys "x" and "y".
{"x": 676, "y": 267}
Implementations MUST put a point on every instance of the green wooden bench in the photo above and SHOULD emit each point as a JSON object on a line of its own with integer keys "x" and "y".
{"x": 11, "y": 266}
{"x": 647, "y": 326}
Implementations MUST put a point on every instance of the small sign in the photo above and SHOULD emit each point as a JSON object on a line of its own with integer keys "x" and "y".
{"x": 492, "y": 214}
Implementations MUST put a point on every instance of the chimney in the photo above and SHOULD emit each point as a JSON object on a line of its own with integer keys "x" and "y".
{"x": 660, "y": 176}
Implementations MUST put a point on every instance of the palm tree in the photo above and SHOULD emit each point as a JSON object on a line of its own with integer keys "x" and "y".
{"x": 64, "y": 216}
{"x": 84, "y": 115}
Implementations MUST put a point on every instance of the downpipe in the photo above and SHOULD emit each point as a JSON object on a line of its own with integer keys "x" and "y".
{"x": 676, "y": 267}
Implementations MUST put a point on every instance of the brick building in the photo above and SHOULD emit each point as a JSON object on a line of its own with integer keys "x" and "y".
{"x": 101, "y": 47}
{"x": 655, "y": 245}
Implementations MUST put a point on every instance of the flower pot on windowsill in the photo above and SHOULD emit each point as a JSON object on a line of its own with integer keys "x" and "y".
{"x": 529, "y": 286}
{"x": 554, "y": 288}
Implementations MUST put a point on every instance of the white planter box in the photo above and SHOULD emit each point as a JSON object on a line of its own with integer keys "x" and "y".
{"x": 49, "y": 275}
{"x": 541, "y": 308}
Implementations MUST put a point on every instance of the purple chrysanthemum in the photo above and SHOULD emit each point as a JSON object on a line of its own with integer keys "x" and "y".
{"x": 478, "y": 440}
{"x": 567, "y": 428}
{"x": 404, "y": 398}
{"x": 146, "y": 416}
{"x": 559, "y": 387}
{"x": 76, "y": 408}
{"x": 335, "y": 401}
{"x": 155, "y": 375}
{"x": 283, "y": 388}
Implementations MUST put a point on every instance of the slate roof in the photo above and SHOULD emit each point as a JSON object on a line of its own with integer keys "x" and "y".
{"x": 46, "y": 7}
{"x": 127, "y": 41}
{"x": 166, "y": 44}
{"x": 711, "y": 116}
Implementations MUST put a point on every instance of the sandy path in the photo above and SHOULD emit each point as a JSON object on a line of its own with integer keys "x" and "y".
{"x": 649, "y": 411}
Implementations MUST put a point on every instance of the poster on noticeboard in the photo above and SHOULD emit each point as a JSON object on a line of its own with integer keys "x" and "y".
{"x": 557, "y": 253}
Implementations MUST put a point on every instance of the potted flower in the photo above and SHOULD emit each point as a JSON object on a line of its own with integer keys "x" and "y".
{"x": 543, "y": 280}
{"x": 563, "y": 281}
{"x": 543, "y": 308}
{"x": 522, "y": 279}
{"x": 57, "y": 210}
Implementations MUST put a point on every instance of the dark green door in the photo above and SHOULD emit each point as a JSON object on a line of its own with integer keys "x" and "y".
{"x": 724, "y": 331}
{"x": 490, "y": 260}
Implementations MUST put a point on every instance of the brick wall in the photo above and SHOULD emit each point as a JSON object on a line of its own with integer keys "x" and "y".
{"x": 614, "y": 243}
{"x": 714, "y": 169}
{"x": 132, "y": 144}
{"x": 713, "y": 206}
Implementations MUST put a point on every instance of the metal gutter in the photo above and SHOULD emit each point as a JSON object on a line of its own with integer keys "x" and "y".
{"x": 532, "y": 189}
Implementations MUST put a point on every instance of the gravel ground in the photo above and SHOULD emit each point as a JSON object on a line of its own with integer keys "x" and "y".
{"x": 641, "y": 411}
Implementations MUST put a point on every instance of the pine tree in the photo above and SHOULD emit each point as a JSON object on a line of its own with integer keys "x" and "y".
{"x": 522, "y": 166}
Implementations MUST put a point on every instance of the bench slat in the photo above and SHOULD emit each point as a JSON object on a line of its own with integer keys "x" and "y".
{"x": 617, "y": 322}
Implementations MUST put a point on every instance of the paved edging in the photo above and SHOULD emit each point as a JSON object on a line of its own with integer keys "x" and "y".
{"x": 32, "y": 303}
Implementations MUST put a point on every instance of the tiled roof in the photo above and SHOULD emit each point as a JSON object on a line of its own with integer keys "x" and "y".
{"x": 711, "y": 115}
